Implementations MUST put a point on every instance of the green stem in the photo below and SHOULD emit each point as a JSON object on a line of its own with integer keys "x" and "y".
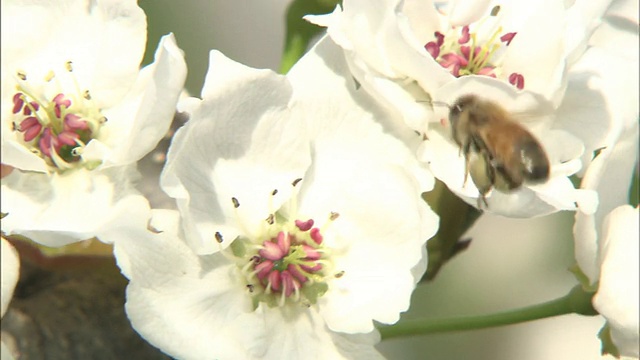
{"x": 576, "y": 301}
{"x": 294, "y": 49}
{"x": 299, "y": 31}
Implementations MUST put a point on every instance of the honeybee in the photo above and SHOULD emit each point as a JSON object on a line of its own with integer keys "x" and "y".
{"x": 499, "y": 152}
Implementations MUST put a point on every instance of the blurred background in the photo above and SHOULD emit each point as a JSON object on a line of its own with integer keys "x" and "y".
{"x": 510, "y": 263}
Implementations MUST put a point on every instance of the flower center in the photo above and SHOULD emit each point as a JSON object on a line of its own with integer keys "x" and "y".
{"x": 58, "y": 127}
{"x": 288, "y": 265}
{"x": 474, "y": 49}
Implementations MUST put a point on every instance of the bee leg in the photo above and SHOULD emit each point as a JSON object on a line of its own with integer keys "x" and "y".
{"x": 483, "y": 176}
{"x": 467, "y": 152}
{"x": 466, "y": 171}
{"x": 483, "y": 200}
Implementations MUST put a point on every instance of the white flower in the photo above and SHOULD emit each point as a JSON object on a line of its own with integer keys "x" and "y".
{"x": 196, "y": 307}
{"x": 77, "y": 113}
{"x": 602, "y": 89}
{"x": 305, "y": 217}
{"x": 391, "y": 44}
{"x": 408, "y": 54}
{"x": 10, "y": 274}
{"x": 610, "y": 174}
{"x": 610, "y": 92}
{"x": 617, "y": 297}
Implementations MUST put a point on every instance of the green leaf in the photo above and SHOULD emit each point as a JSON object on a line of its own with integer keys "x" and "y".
{"x": 456, "y": 217}
{"x": 299, "y": 31}
{"x": 608, "y": 347}
{"x": 634, "y": 192}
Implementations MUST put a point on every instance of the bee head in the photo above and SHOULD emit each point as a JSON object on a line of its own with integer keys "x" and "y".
{"x": 461, "y": 105}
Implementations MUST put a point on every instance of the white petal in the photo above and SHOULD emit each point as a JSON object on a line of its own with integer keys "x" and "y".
{"x": 325, "y": 67}
{"x": 10, "y": 273}
{"x": 131, "y": 219}
{"x": 186, "y": 308}
{"x": 423, "y": 18}
{"x": 56, "y": 210}
{"x": 242, "y": 143}
{"x": 465, "y": 12}
{"x": 374, "y": 182}
{"x": 537, "y": 52}
{"x": 17, "y": 155}
{"x": 138, "y": 123}
{"x": 617, "y": 297}
{"x": 196, "y": 307}
{"x": 626, "y": 9}
{"x": 610, "y": 175}
{"x": 358, "y": 22}
{"x": 377, "y": 239}
{"x": 526, "y": 104}
{"x": 298, "y": 336}
{"x": 105, "y": 40}
{"x": 600, "y": 99}
{"x": 384, "y": 47}
{"x": 582, "y": 18}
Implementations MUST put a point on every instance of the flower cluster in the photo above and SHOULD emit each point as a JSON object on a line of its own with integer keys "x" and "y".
{"x": 301, "y": 221}
{"x": 555, "y": 69}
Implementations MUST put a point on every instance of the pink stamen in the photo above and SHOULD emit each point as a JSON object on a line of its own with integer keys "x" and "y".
{"x": 304, "y": 225}
{"x": 31, "y": 128}
{"x": 18, "y": 102}
{"x": 311, "y": 253}
{"x": 432, "y": 49}
{"x": 47, "y": 142}
{"x": 314, "y": 268}
{"x": 439, "y": 38}
{"x": 451, "y": 59}
{"x": 68, "y": 138}
{"x": 453, "y": 62}
{"x": 289, "y": 283}
{"x": 286, "y": 262}
{"x": 316, "y": 236}
{"x": 295, "y": 271}
{"x": 466, "y": 50}
{"x": 274, "y": 279}
{"x": 507, "y": 37}
{"x": 517, "y": 80}
{"x": 465, "y": 35}
{"x": 271, "y": 251}
{"x": 263, "y": 269}
{"x": 60, "y": 101}
{"x": 284, "y": 242}
{"x": 27, "y": 109}
{"x": 73, "y": 122}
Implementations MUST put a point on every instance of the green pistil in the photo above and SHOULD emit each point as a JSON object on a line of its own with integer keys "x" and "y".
{"x": 472, "y": 53}
{"x": 280, "y": 265}
{"x": 485, "y": 53}
{"x": 295, "y": 258}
